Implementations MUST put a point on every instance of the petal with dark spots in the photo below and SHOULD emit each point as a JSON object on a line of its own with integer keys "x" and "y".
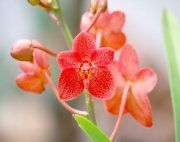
{"x": 101, "y": 84}
{"x": 103, "y": 56}
{"x": 68, "y": 59}
{"x": 84, "y": 44}
{"x": 70, "y": 84}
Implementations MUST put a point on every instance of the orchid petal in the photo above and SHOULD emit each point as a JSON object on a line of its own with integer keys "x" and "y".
{"x": 114, "y": 40}
{"x": 28, "y": 67}
{"x": 103, "y": 56}
{"x": 113, "y": 105}
{"x": 117, "y": 20}
{"x": 140, "y": 108}
{"x": 70, "y": 84}
{"x": 103, "y": 20}
{"x": 101, "y": 83}
{"x": 118, "y": 78}
{"x": 128, "y": 62}
{"x": 86, "y": 20}
{"x": 41, "y": 58}
{"x": 68, "y": 59}
{"x": 30, "y": 82}
{"x": 146, "y": 80}
{"x": 84, "y": 44}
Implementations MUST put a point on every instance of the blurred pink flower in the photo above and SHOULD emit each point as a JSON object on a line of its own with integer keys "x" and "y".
{"x": 33, "y": 79}
{"x": 142, "y": 81}
{"x": 85, "y": 67}
{"x": 109, "y": 25}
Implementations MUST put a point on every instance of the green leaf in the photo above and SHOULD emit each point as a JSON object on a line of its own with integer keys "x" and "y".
{"x": 95, "y": 134}
{"x": 171, "y": 28}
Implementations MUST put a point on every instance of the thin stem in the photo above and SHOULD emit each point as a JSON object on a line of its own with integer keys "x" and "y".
{"x": 63, "y": 103}
{"x": 121, "y": 111}
{"x": 90, "y": 107}
{"x": 53, "y": 17}
{"x": 98, "y": 39}
{"x": 95, "y": 18}
{"x": 63, "y": 26}
{"x": 50, "y": 52}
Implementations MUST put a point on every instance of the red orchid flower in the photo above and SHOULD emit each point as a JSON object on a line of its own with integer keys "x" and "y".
{"x": 84, "y": 67}
{"x": 109, "y": 25}
{"x": 142, "y": 81}
{"x": 33, "y": 79}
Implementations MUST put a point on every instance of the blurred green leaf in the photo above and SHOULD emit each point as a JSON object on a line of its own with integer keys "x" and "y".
{"x": 171, "y": 28}
{"x": 91, "y": 130}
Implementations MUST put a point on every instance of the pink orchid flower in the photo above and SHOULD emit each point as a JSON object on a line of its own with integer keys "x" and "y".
{"x": 84, "y": 67}
{"x": 109, "y": 26}
{"x": 33, "y": 79}
{"x": 142, "y": 81}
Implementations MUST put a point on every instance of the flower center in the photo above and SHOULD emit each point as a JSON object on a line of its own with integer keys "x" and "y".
{"x": 85, "y": 70}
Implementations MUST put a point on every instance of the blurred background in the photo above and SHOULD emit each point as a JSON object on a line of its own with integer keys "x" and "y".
{"x": 25, "y": 117}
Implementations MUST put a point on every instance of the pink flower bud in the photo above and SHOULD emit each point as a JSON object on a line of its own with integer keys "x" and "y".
{"x": 96, "y": 4}
{"x": 22, "y": 50}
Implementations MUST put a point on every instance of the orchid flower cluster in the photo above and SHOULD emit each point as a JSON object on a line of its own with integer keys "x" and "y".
{"x": 89, "y": 65}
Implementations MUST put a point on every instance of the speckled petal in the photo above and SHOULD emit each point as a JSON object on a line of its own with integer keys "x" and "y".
{"x": 103, "y": 56}
{"x": 68, "y": 59}
{"x": 70, "y": 84}
{"x": 84, "y": 44}
{"x": 101, "y": 83}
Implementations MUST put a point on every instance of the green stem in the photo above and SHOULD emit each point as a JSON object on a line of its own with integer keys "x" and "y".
{"x": 90, "y": 107}
{"x": 63, "y": 26}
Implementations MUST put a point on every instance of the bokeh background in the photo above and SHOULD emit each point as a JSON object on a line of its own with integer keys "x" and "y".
{"x": 25, "y": 117}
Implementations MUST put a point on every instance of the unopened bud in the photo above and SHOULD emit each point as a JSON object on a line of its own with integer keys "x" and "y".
{"x": 22, "y": 50}
{"x": 96, "y": 4}
{"x": 47, "y": 4}
{"x": 34, "y": 2}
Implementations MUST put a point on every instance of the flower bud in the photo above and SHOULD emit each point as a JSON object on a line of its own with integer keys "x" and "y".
{"x": 22, "y": 50}
{"x": 96, "y": 4}
{"x": 47, "y": 4}
{"x": 34, "y": 2}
